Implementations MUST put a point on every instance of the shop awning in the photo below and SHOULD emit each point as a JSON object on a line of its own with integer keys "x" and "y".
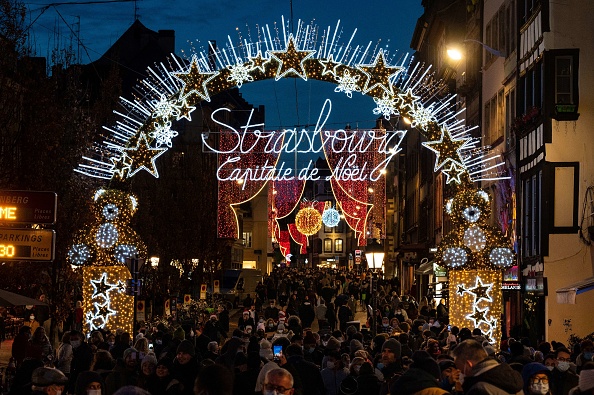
{"x": 567, "y": 294}
{"x": 425, "y": 268}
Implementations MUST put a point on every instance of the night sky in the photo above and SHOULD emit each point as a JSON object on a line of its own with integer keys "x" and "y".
{"x": 289, "y": 102}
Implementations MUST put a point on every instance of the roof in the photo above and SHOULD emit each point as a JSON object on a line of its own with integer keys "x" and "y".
{"x": 567, "y": 294}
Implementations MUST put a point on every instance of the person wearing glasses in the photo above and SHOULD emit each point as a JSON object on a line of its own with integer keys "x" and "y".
{"x": 536, "y": 378}
{"x": 278, "y": 382}
{"x": 562, "y": 377}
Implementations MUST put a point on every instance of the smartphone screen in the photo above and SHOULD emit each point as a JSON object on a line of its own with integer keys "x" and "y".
{"x": 277, "y": 350}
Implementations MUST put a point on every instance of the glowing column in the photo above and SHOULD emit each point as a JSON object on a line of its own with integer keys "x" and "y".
{"x": 476, "y": 301}
{"x": 105, "y": 303}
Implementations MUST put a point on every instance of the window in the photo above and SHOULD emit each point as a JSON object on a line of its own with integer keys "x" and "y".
{"x": 247, "y": 239}
{"x": 563, "y": 77}
{"x": 510, "y": 116}
{"x": 494, "y": 118}
{"x": 338, "y": 245}
{"x": 327, "y": 245}
{"x": 531, "y": 190}
{"x": 562, "y": 67}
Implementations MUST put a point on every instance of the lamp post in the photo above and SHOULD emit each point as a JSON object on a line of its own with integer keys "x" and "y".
{"x": 374, "y": 253}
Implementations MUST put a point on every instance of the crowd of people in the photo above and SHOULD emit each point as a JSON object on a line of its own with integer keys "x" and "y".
{"x": 297, "y": 334}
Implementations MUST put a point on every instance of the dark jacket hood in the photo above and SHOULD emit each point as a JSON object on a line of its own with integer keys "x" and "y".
{"x": 499, "y": 375}
{"x": 413, "y": 381}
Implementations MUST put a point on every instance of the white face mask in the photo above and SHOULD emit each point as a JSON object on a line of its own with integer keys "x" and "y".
{"x": 32, "y": 317}
{"x": 266, "y": 392}
{"x": 539, "y": 388}
{"x": 93, "y": 392}
{"x": 551, "y": 367}
{"x": 461, "y": 378}
{"x": 563, "y": 366}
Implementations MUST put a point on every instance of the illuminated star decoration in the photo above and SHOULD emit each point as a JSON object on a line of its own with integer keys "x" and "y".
{"x": 330, "y": 65}
{"x": 258, "y": 62}
{"x": 480, "y": 291}
{"x": 101, "y": 287}
{"x": 408, "y": 99}
{"x": 478, "y": 316}
{"x": 143, "y": 157}
{"x": 447, "y": 148}
{"x": 461, "y": 290}
{"x": 291, "y": 61}
{"x": 195, "y": 81}
{"x": 121, "y": 166}
{"x": 184, "y": 110}
{"x": 453, "y": 172}
{"x": 378, "y": 73}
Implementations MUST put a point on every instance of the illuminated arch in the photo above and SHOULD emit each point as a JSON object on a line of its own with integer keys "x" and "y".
{"x": 398, "y": 87}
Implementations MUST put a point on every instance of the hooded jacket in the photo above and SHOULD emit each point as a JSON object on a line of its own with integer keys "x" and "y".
{"x": 491, "y": 377}
{"x": 416, "y": 381}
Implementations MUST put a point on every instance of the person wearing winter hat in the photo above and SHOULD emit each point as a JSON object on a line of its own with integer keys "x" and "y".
{"x": 536, "y": 378}
{"x": 266, "y": 350}
{"x": 450, "y": 376}
{"x": 391, "y": 364}
{"x": 163, "y": 381}
{"x": 89, "y": 383}
{"x": 333, "y": 344}
{"x": 185, "y": 365}
{"x": 48, "y": 381}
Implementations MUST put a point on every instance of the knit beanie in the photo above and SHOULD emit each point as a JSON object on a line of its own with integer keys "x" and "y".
{"x": 187, "y": 347}
{"x": 394, "y": 346}
{"x": 179, "y": 333}
{"x": 586, "y": 381}
{"x": 429, "y": 365}
{"x": 355, "y": 345}
{"x": 128, "y": 351}
{"x": 333, "y": 344}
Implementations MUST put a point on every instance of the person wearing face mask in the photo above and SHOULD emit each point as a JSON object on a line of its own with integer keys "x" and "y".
{"x": 278, "y": 382}
{"x": 48, "y": 381}
{"x": 536, "y": 378}
{"x": 562, "y": 378}
{"x": 89, "y": 383}
{"x": 334, "y": 373}
{"x": 82, "y": 357}
{"x": 481, "y": 374}
{"x": 587, "y": 348}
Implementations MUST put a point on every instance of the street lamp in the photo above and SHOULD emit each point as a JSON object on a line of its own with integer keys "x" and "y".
{"x": 374, "y": 253}
{"x": 456, "y": 54}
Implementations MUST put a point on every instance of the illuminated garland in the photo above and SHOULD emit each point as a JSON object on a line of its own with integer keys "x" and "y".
{"x": 312, "y": 52}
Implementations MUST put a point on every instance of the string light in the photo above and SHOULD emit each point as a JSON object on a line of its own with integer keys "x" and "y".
{"x": 331, "y": 217}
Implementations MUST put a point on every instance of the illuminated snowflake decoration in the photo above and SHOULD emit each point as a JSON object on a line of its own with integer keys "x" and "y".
{"x": 79, "y": 254}
{"x": 502, "y": 257}
{"x": 474, "y": 238}
{"x": 387, "y": 106}
{"x": 348, "y": 84}
{"x": 163, "y": 108}
{"x": 471, "y": 213}
{"x": 455, "y": 257}
{"x": 422, "y": 116}
{"x": 110, "y": 211}
{"x": 162, "y": 134}
{"x": 107, "y": 235}
{"x": 240, "y": 73}
{"x": 125, "y": 251}
{"x": 331, "y": 217}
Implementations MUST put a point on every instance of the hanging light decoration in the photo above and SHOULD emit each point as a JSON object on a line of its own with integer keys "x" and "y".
{"x": 308, "y": 221}
{"x": 331, "y": 217}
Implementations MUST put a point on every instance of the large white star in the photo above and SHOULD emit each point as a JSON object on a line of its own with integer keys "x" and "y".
{"x": 378, "y": 73}
{"x": 291, "y": 60}
{"x": 447, "y": 148}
